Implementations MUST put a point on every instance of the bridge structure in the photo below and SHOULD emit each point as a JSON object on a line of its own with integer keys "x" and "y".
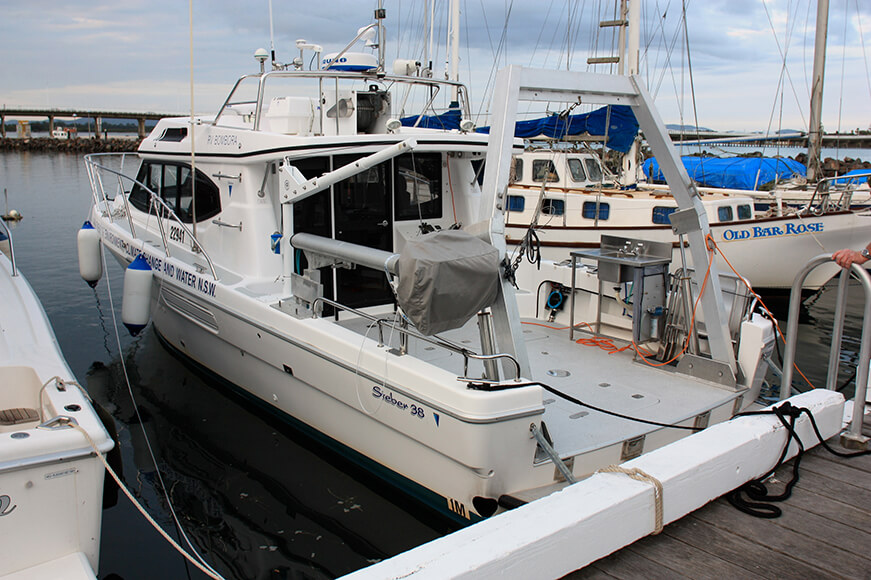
{"x": 98, "y": 116}
{"x": 793, "y": 139}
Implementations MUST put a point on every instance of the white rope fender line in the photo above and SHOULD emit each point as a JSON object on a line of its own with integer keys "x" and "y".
{"x": 173, "y": 543}
{"x": 639, "y": 475}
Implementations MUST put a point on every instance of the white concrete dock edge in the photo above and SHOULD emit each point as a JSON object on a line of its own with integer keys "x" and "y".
{"x": 586, "y": 521}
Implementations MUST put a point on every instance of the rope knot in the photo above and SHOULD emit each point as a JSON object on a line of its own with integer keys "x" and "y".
{"x": 639, "y": 475}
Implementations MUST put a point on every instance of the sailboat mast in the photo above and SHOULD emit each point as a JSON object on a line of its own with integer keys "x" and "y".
{"x": 455, "y": 47}
{"x": 630, "y": 160}
{"x": 815, "y": 133}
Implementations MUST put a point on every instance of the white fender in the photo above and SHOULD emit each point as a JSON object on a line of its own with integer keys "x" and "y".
{"x": 136, "y": 303}
{"x": 90, "y": 254}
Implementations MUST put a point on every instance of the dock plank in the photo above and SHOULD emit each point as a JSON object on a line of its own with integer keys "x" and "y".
{"x": 754, "y": 557}
{"x": 847, "y": 471}
{"x": 807, "y": 546}
{"x": 677, "y": 555}
{"x": 629, "y": 564}
{"x": 824, "y": 532}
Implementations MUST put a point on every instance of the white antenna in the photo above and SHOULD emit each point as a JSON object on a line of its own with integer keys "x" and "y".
{"x": 271, "y": 35}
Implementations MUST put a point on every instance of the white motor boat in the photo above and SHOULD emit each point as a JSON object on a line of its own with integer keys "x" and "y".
{"x": 344, "y": 269}
{"x": 563, "y": 195}
{"x": 51, "y": 480}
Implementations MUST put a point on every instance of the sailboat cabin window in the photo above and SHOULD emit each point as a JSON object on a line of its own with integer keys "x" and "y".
{"x": 662, "y": 215}
{"x": 594, "y": 170}
{"x": 544, "y": 170}
{"x": 577, "y": 170}
{"x": 744, "y": 212}
{"x": 516, "y": 203}
{"x": 173, "y": 183}
{"x": 516, "y": 172}
{"x": 589, "y": 210}
{"x": 553, "y": 206}
{"x": 724, "y": 213}
{"x": 418, "y": 189}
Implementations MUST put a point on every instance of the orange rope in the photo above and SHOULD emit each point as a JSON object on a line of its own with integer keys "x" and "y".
{"x": 764, "y": 307}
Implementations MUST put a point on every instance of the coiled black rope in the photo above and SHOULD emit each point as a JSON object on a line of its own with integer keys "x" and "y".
{"x": 759, "y": 501}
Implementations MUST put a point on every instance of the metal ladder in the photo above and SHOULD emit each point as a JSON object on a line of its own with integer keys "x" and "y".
{"x": 851, "y": 437}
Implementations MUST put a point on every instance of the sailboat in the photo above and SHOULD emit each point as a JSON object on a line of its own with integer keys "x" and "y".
{"x": 553, "y": 196}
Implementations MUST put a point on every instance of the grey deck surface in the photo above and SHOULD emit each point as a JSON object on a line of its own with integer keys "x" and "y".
{"x": 824, "y": 532}
{"x": 616, "y": 382}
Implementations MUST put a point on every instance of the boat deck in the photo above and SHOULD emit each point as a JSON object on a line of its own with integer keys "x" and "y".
{"x": 824, "y": 532}
{"x": 617, "y": 381}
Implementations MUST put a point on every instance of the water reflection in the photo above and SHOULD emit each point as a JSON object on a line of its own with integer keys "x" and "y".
{"x": 256, "y": 497}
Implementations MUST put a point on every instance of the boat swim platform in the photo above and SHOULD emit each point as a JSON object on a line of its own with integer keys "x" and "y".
{"x": 618, "y": 381}
{"x": 601, "y": 527}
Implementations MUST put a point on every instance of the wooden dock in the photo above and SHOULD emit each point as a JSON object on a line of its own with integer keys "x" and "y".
{"x": 824, "y": 532}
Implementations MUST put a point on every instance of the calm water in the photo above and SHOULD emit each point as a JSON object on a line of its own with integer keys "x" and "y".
{"x": 257, "y": 499}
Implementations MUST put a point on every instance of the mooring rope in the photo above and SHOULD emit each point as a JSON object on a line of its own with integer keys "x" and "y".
{"x": 210, "y": 573}
{"x": 639, "y": 475}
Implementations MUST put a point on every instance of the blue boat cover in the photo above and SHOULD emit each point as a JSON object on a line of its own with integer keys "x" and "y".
{"x": 448, "y": 120}
{"x": 621, "y": 126}
{"x": 855, "y": 180}
{"x": 731, "y": 172}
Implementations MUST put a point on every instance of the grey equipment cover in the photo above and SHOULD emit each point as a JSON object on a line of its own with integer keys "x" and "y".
{"x": 445, "y": 278}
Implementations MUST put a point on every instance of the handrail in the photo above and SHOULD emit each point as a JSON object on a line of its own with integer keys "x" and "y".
{"x": 855, "y": 430}
{"x": 11, "y": 247}
{"x": 169, "y": 213}
{"x": 464, "y": 352}
{"x": 334, "y": 75}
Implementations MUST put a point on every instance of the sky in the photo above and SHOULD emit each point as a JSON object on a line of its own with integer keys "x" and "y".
{"x": 135, "y": 55}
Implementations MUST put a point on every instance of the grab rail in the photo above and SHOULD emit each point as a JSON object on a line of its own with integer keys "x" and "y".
{"x": 11, "y": 247}
{"x": 854, "y": 434}
{"x": 464, "y": 352}
{"x": 165, "y": 210}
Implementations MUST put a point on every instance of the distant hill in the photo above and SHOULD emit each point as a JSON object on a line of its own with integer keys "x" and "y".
{"x": 675, "y": 127}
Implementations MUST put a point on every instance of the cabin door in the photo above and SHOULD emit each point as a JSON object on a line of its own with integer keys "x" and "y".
{"x": 363, "y": 215}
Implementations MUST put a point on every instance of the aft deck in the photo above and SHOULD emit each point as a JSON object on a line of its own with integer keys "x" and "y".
{"x": 824, "y": 532}
{"x": 614, "y": 381}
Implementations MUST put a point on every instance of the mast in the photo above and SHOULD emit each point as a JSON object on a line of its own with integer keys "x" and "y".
{"x": 815, "y": 133}
{"x": 455, "y": 48}
{"x": 630, "y": 160}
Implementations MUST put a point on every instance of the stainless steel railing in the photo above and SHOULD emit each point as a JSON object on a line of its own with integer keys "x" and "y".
{"x": 853, "y": 435}
{"x": 403, "y": 331}
{"x": 98, "y": 190}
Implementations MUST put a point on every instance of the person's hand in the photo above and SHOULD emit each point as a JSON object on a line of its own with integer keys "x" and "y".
{"x": 846, "y": 258}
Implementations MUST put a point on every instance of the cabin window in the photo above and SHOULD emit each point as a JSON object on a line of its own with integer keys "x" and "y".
{"x": 544, "y": 170}
{"x": 418, "y": 190}
{"x": 577, "y": 170}
{"x": 662, "y": 215}
{"x": 553, "y": 207}
{"x": 516, "y": 170}
{"x": 172, "y": 182}
{"x": 724, "y": 213}
{"x": 594, "y": 170}
{"x": 589, "y": 210}
{"x": 744, "y": 212}
{"x": 516, "y": 203}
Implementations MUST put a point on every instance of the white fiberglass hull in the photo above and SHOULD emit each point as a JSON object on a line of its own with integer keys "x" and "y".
{"x": 406, "y": 418}
{"x": 51, "y": 481}
{"x": 766, "y": 252}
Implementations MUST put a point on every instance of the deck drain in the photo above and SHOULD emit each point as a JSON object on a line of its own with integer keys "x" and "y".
{"x": 548, "y": 401}
{"x": 429, "y": 348}
{"x": 604, "y": 385}
{"x": 637, "y": 396}
{"x": 558, "y": 373}
{"x": 578, "y": 415}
